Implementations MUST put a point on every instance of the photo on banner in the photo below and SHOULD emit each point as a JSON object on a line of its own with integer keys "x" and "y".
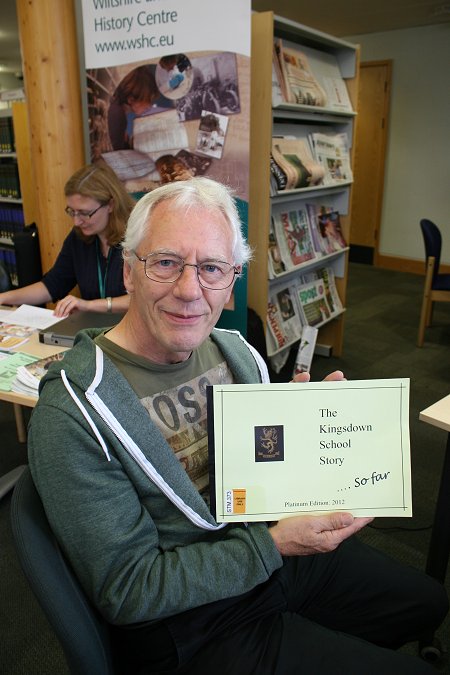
{"x": 167, "y": 97}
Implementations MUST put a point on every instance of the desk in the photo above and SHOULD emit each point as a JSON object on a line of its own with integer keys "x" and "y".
{"x": 36, "y": 348}
{"x": 438, "y": 415}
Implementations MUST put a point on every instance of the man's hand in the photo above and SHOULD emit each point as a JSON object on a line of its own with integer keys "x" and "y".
{"x": 306, "y": 535}
{"x": 336, "y": 376}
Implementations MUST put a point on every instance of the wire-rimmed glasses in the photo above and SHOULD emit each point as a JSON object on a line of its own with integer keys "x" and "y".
{"x": 166, "y": 268}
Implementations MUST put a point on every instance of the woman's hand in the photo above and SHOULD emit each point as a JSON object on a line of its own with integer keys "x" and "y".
{"x": 70, "y": 304}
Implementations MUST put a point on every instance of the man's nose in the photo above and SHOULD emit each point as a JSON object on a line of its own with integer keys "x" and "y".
{"x": 188, "y": 285}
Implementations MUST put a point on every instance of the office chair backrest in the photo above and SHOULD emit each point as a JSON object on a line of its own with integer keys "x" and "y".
{"x": 82, "y": 633}
{"x": 5, "y": 279}
{"x": 433, "y": 244}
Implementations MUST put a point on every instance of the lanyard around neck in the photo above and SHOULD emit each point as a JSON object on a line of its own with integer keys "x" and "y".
{"x": 102, "y": 278}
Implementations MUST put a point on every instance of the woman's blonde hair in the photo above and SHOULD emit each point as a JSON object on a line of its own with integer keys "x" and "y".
{"x": 100, "y": 182}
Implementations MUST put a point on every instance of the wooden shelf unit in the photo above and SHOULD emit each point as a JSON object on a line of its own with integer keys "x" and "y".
{"x": 264, "y": 120}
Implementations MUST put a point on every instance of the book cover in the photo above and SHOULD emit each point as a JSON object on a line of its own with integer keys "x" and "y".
{"x": 353, "y": 455}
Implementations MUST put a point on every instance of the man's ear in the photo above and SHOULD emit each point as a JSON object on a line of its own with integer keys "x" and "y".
{"x": 128, "y": 276}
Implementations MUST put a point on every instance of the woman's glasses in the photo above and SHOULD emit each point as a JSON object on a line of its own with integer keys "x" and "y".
{"x": 82, "y": 214}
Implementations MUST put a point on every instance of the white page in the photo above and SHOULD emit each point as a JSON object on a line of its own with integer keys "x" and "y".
{"x": 27, "y": 315}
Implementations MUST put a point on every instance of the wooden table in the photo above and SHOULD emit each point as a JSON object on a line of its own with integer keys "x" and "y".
{"x": 438, "y": 415}
{"x": 35, "y": 348}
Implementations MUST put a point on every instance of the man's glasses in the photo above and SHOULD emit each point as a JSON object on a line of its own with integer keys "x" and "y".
{"x": 82, "y": 214}
{"x": 166, "y": 268}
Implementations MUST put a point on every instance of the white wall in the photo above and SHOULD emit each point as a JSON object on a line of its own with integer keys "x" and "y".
{"x": 417, "y": 178}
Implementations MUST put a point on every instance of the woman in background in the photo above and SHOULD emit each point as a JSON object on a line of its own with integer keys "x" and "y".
{"x": 91, "y": 255}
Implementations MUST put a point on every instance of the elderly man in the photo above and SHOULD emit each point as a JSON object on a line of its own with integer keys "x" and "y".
{"x": 123, "y": 475}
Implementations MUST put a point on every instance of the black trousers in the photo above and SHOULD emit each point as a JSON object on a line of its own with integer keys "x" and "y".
{"x": 343, "y": 613}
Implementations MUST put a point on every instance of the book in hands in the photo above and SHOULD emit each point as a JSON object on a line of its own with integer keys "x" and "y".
{"x": 309, "y": 448}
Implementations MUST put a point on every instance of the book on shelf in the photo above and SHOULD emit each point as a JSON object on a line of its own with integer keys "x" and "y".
{"x": 326, "y": 228}
{"x": 7, "y": 141}
{"x": 332, "y": 153}
{"x": 293, "y": 235}
{"x": 294, "y": 157}
{"x": 283, "y": 318}
{"x": 301, "y": 85}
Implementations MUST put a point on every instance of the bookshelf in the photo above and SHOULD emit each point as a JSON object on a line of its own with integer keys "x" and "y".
{"x": 17, "y": 200}
{"x": 291, "y": 119}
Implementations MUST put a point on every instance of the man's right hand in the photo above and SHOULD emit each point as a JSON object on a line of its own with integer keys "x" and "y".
{"x": 306, "y": 535}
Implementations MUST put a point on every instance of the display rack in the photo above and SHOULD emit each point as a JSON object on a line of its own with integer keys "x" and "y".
{"x": 288, "y": 119}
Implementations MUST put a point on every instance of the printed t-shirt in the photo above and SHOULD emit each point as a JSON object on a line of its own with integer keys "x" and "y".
{"x": 174, "y": 396}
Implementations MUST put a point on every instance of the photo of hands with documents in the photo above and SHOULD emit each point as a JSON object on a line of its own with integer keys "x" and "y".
{"x": 283, "y": 449}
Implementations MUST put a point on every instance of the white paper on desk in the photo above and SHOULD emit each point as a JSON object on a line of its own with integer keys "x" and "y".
{"x": 283, "y": 449}
{"x": 27, "y": 315}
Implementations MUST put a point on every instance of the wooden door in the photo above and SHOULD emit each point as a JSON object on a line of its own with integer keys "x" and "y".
{"x": 369, "y": 159}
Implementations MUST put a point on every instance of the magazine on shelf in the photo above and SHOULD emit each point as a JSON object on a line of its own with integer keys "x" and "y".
{"x": 293, "y": 235}
{"x": 278, "y": 178}
{"x": 276, "y": 264}
{"x": 326, "y": 228}
{"x": 283, "y": 318}
{"x": 331, "y": 152}
{"x": 313, "y": 301}
{"x": 294, "y": 157}
{"x": 311, "y": 71}
{"x": 300, "y": 83}
{"x": 326, "y": 274}
{"x": 278, "y": 87}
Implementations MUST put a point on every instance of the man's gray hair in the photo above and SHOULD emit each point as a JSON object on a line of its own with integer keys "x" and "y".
{"x": 198, "y": 191}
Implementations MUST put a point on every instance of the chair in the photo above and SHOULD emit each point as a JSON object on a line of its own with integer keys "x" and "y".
{"x": 5, "y": 278}
{"x": 437, "y": 286}
{"x": 82, "y": 633}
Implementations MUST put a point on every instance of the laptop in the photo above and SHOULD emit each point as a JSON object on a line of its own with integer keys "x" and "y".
{"x": 63, "y": 333}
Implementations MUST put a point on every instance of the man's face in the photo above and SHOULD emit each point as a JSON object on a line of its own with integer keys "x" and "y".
{"x": 169, "y": 320}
